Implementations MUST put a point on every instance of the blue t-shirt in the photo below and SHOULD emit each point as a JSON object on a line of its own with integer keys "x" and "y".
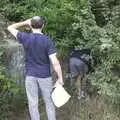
{"x": 37, "y": 48}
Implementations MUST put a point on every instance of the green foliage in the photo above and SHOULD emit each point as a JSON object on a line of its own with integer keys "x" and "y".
{"x": 106, "y": 11}
{"x": 74, "y": 23}
{"x": 8, "y": 94}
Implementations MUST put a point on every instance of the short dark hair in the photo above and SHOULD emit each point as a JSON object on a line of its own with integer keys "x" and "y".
{"x": 37, "y": 22}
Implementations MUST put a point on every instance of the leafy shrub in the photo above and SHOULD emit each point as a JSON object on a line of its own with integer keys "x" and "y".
{"x": 73, "y": 23}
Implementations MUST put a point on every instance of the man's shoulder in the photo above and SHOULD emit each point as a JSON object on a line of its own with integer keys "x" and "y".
{"x": 22, "y": 33}
{"x": 46, "y": 37}
{"x": 22, "y": 36}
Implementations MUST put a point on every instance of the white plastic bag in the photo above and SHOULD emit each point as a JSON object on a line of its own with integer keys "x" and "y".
{"x": 60, "y": 96}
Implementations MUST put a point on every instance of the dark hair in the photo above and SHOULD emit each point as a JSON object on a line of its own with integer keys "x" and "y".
{"x": 37, "y": 22}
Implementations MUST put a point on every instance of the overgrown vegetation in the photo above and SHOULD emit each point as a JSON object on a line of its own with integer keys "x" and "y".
{"x": 11, "y": 94}
{"x": 93, "y": 24}
{"x": 11, "y": 97}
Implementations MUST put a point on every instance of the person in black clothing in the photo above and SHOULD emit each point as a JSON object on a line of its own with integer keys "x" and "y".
{"x": 80, "y": 64}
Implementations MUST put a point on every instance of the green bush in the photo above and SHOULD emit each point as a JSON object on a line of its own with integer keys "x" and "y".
{"x": 12, "y": 98}
{"x": 74, "y": 23}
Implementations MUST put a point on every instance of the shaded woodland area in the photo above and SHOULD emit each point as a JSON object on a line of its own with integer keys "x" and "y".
{"x": 93, "y": 24}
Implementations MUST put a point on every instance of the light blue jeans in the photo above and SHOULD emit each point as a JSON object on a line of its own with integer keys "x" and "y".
{"x": 33, "y": 84}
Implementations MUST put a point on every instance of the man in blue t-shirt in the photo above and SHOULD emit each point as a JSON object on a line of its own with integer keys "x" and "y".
{"x": 39, "y": 52}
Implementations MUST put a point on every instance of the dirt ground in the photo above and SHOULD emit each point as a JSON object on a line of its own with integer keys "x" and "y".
{"x": 93, "y": 109}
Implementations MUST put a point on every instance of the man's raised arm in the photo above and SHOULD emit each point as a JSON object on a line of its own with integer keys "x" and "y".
{"x": 13, "y": 29}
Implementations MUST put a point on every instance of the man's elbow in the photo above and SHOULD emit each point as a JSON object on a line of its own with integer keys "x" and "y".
{"x": 12, "y": 30}
{"x": 9, "y": 28}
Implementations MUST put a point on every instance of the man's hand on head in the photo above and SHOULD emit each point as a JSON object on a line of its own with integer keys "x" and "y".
{"x": 28, "y": 22}
{"x": 14, "y": 27}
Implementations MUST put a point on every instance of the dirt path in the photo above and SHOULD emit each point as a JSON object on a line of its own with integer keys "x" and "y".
{"x": 93, "y": 109}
